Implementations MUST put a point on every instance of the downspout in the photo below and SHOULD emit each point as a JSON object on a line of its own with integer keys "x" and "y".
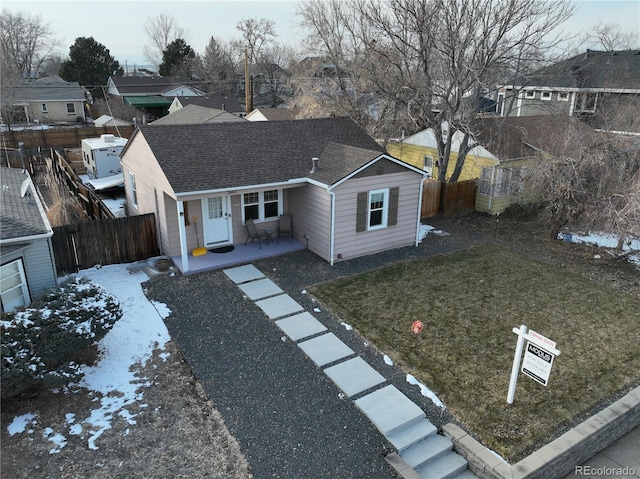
{"x": 333, "y": 224}
{"x": 418, "y": 239}
{"x": 183, "y": 237}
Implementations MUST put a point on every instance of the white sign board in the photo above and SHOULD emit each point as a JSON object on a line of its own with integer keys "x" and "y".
{"x": 537, "y": 363}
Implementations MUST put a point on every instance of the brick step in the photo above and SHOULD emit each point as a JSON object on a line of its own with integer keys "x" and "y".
{"x": 445, "y": 467}
{"x": 408, "y": 436}
{"x": 428, "y": 450}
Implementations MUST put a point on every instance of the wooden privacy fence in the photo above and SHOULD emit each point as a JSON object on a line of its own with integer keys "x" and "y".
{"x": 109, "y": 241}
{"x": 448, "y": 198}
{"x": 59, "y": 137}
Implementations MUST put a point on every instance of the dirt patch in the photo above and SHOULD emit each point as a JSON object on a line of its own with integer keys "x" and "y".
{"x": 177, "y": 432}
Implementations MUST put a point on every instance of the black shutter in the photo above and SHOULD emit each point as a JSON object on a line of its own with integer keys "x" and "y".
{"x": 361, "y": 213}
{"x": 393, "y": 206}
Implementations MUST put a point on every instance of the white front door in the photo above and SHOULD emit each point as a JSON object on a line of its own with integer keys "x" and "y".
{"x": 217, "y": 220}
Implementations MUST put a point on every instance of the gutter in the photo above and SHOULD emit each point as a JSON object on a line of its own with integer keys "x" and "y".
{"x": 333, "y": 224}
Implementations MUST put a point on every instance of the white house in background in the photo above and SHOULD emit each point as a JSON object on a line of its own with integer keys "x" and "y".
{"x": 106, "y": 120}
{"x": 347, "y": 197}
{"x": 27, "y": 264}
{"x": 272, "y": 114}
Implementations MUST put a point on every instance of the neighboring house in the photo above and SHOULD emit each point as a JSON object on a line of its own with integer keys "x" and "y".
{"x": 217, "y": 102}
{"x": 106, "y": 120}
{"x": 151, "y": 96}
{"x": 421, "y": 151}
{"x": 27, "y": 265}
{"x": 598, "y": 87}
{"x": 273, "y": 114}
{"x": 347, "y": 197}
{"x": 195, "y": 114}
{"x": 48, "y": 100}
{"x": 519, "y": 144}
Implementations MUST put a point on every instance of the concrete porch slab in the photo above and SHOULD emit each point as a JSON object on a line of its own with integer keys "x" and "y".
{"x": 389, "y": 409}
{"x": 325, "y": 349}
{"x": 301, "y": 326}
{"x": 242, "y": 274}
{"x": 279, "y": 306}
{"x": 354, "y": 376}
{"x": 262, "y": 288}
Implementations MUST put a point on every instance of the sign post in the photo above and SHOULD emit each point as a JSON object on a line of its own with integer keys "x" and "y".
{"x": 538, "y": 358}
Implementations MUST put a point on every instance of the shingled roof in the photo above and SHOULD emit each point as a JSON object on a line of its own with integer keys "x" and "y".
{"x": 592, "y": 69}
{"x": 233, "y": 155}
{"x": 194, "y": 114}
{"x": 20, "y": 217}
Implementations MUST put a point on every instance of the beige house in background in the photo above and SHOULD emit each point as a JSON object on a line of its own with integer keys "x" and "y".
{"x": 347, "y": 197}
{"x": 49, "y": 100}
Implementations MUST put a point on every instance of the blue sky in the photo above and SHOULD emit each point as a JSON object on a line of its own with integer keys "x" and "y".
{"x": 119, "y": 24}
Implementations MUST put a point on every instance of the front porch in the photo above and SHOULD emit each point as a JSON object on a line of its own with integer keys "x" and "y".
{"x": 241, "y": 254}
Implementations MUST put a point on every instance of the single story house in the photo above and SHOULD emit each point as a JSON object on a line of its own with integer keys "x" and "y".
{"x": 194, "y": 114}
{"x": 27, "y": 267}
{"x": 47, "y": 101}
{"x": 421, "y": 151}
{"x": 273, "y": 114}
{"x": 214, "y": 101}
{"x": 346, "y": 195}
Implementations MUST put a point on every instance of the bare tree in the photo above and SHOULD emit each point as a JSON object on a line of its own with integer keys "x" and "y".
{"x": 273, "y": 81}
{"x": 610, "y": 37}
{"x": 592, "y": 184}
{"x": 427, "y": 63}
{"x": 25, "y": 42}
{"x": 161, "y": 31}
{"x": 256, "y": 34}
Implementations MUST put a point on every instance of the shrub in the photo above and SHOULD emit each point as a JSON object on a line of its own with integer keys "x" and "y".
{"x": 41, "y": 344}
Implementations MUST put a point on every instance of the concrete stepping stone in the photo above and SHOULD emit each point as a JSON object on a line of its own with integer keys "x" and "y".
{"x": 389, "y": 409}
{"x": 354, "y": 376}
{"x": 301, "y": 326}
{"x": 279, "y": 306}
{"x": 262, "y": 288}
{"x": 325, "y": 349}
{"x": 242, "y": 274}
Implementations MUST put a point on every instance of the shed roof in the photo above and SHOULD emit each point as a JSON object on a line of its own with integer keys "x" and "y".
{"x": 147, "y": 101}
{"x": 151, "y": 85}
{"x": 20, "y": 217}
{"x": 235, "y": 155}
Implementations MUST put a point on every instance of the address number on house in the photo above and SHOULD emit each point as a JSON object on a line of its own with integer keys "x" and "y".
{"x": 537, "y": 363}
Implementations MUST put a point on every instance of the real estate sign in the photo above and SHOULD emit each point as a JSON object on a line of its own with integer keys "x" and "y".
{"x": 537, "y": 363}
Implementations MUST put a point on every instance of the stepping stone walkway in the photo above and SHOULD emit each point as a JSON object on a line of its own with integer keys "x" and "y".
{"x": 421, "y": 452}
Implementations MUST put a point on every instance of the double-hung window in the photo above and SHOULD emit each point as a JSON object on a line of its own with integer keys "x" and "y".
{"x": 377, "y": 209}
{"x": 261, "y": 205}
{"x": 71, "y": 108}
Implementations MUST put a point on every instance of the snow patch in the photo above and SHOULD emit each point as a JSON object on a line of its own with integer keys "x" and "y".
{"x": 425, "y": 391}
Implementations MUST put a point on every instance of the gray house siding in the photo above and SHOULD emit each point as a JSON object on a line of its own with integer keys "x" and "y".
{"x": 39, "y": 265}
{"x": 310, "y": 209}
{"x": 349, "y": 244}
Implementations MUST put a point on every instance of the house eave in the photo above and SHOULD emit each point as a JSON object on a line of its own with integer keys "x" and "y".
{"x": 374, "y": 160}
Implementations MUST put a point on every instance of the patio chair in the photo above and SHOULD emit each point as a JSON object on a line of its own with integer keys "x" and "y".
{"x": 255, "y": 234}
{"x": 284, "y": 227}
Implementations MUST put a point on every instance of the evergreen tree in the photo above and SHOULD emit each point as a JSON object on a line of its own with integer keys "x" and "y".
{"x": 178, "y": 59}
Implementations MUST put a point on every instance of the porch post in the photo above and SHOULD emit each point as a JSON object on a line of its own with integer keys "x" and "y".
{"x": 183, "y": 237}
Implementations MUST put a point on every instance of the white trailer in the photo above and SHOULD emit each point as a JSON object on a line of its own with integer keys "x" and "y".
{"x": 101, "y": 156}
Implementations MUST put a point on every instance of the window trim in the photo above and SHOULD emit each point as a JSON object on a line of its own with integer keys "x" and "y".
{"x": 73, "y": 105}
{"x": 563, "y": 96}
{"x": 44, "y": 108}
{"x": 261, "y": 205}
{"x": 546, "y": 95}
{"x": 529, "y": 94}
{"x": 385, "y": 209}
